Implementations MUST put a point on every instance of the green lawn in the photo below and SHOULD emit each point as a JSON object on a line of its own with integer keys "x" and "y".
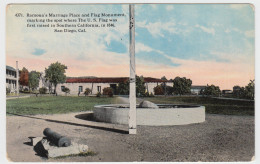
{"x": 54, "y": 104}
{"x": 213, "y": 106}
{"x": 66, "y": 104}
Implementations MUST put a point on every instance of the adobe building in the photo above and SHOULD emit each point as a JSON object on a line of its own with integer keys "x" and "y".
{"x": 97, "y": 84}
{"x": 11, "y": 78}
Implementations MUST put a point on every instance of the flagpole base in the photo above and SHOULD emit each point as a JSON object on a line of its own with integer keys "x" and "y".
{"x": 132, "y": 131}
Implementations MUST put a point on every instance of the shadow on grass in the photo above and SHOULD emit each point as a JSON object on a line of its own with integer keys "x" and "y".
{"x": 74, "y": 124}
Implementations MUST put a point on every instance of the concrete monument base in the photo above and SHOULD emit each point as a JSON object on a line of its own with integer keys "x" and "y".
{"x": 167, "y": 114}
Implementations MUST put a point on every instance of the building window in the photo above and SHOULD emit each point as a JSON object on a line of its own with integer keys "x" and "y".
{"x": 99, "y": 89}
{"x": 80, "y": 89}
{"x": 62, "y": 88}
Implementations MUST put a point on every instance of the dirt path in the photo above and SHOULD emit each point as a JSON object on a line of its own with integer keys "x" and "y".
{"x": 220, "y": 138}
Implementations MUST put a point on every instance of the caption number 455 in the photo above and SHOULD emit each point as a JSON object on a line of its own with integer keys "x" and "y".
{"x": 18, "y": 15}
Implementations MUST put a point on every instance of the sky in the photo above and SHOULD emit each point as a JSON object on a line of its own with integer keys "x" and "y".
{"x": 208, "y": 43}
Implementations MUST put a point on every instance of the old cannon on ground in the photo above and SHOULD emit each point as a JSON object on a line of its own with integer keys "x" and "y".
{"x": 56, "y": 138}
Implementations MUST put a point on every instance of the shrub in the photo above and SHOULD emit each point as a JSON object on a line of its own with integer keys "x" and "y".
{"x": 211, "y": 90}
{"x": 66, "y": 90}
{"x": 108, "y": 91}
{"x": 158, "y": 90}
{"x": 123, "y": 88}
{"x": 36, "y": 92}
{"x": 98, "y": 94}
{"x": 87, "y": 91}
{"x": 146, "y": 94}
{"x": 8, "y": 90}
{"x": 43, "y": 90}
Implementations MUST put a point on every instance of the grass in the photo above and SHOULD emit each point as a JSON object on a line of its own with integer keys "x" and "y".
{"x": 213, "y": 106}
{"x": 54, "y": 104}
{"x": 67, "y": 104}
{"x": 14, "y": 94}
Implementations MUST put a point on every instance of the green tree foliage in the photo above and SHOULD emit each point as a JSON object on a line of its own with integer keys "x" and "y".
{"x": 247, "y": 92}
{"x": 24, "y": 77}
{"x": 55, "y": 74}
{"x": 140, "y": 87}
{"x": 181, "y": 86}
{"x": 236, "y": 91}
{"x": 167, "y": 90}
{"x": 163, "y": 78}
{"x": 250, "y": 89}
{"x": 211, "y": 90}
{"x": 34, "y": 78}
{"x": 8, "y": 90}
{"x": 108, "y": 91}
{"x": 123, "y": 88}
{"x": 158, "y": 90}
{"x": 42, "y": 90}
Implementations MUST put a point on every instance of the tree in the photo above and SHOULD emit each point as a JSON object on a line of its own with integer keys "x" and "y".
{"x": 167, "y": 90}
{"x": 123, "y": 88}
{"x": 181, "y": 86}
{"x": 34, "y": 78}
{"x": 237, "y": 91}
{"x": 24, "y": 77}
{"x": 250, "y": 90}
{"x": 211, "y": 90}
{"x": 164, "y": 78}
{"x": 158, "y": 90}
{"x": 140, "y": 87}
{"x": 247, "y": 92}
{"x": 55, "y": 74}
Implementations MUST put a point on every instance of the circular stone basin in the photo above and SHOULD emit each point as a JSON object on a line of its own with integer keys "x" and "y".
{"x": 167, "y": 114}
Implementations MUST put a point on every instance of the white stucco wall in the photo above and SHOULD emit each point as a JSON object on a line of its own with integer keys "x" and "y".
{"x": 74, "y": 87}
{"x": 150, "y": 86}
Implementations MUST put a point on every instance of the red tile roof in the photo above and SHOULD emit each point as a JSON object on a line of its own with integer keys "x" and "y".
{"x": 108, "y": 80}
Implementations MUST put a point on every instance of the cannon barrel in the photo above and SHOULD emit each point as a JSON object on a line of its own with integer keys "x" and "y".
{"x": 56, "y": 138}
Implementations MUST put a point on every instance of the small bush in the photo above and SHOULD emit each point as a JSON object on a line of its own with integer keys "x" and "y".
{"x": 8, "y": 90}
{"x": 146, "y": 94}
{"x": 108, "y": 91}
{"x": 158, "y": 90}
{"x": 87, "y": 91}
{"x": 66, "y": 90}
{"x": 98, "y": 94}
{"x": 43, "y": 90}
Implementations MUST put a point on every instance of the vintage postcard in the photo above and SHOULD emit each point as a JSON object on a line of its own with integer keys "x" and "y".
{"x": 130, "y": 82}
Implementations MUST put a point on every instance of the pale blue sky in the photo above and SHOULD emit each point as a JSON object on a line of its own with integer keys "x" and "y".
{"x": 209, "y": 43}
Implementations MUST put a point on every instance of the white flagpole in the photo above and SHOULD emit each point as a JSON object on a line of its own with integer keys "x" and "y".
{"x": 132, "y": 94}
